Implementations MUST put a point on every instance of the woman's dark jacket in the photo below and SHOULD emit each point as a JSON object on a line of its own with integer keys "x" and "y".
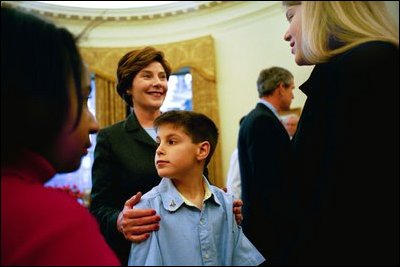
{"x": 346, "y": 154}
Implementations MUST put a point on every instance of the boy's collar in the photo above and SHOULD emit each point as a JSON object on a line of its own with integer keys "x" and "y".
{"x": 172, "y": 199}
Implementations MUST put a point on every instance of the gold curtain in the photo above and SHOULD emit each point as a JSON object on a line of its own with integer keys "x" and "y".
{"x": 197, "y": 54}
{"x": 110, "y": 107}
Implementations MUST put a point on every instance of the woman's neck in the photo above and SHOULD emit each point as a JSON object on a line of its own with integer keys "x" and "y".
{"x": 146, "y": 117}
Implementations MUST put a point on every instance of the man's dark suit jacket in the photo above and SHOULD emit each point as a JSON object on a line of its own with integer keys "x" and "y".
{"x": 123, "y": 165}
{"x": 346, "y": 152}
{"x": 265, "y": 167}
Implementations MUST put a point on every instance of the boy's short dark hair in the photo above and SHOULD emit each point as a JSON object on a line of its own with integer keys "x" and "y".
{"x": 197, "y": 125}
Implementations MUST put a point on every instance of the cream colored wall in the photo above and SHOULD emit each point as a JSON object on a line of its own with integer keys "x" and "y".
{"x": 242, "y": 53}
{"x": 393, "y": 8}
{"x": 248, "y": 37}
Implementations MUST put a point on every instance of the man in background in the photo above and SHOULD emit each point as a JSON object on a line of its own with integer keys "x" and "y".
{"x": 290, "y": 122}
{"x": 233, "y": 180}
{"x": 265, "y": 166}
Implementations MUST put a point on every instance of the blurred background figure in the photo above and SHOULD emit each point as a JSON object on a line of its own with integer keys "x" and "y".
{"x": 233, "y": 180}
{"x": 290, "y": 122}
{"x": 266, "y": 166}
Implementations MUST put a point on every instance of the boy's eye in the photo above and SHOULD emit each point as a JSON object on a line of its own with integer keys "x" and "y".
{"x": 171, "y": 142}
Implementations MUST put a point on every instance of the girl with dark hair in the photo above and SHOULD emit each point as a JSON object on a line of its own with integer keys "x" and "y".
{"x": 45, "y": 127}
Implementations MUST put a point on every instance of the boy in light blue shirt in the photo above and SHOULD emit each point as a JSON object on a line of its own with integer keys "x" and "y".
{"x": 198, "y": 226}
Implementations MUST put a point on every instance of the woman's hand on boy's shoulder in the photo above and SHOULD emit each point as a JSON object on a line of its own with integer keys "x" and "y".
{"x": 137, "y": 224}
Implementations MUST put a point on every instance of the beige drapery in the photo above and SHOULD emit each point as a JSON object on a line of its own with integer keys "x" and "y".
{"x": 197, "y": 54}
{"x": 110, "y": 108}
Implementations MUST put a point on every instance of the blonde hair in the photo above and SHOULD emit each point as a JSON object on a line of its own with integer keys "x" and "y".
{"x": 333, "y": 27}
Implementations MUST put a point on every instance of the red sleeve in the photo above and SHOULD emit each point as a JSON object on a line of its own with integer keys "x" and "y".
{"x": 41, "y": 226}
{"x": 79, "y": 241}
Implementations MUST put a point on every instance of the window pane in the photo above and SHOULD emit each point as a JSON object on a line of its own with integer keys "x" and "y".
{"x": 179, "y": 94}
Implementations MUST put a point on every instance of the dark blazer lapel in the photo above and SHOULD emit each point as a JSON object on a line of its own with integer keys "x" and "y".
{"x": 132, "y": 125}
{"x": 265, "y": 109}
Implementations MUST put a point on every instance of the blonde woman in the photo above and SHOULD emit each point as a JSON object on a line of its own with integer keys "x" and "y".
{"x": 347, "y": 194}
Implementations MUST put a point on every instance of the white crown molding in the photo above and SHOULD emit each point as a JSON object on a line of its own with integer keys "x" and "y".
{"x": 216, "y": 19}
{"x": 222, "y": 19}
{"x": 118, "y": 14}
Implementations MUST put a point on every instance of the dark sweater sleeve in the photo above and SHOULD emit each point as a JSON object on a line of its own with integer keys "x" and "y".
{"x": 102, "y": 203}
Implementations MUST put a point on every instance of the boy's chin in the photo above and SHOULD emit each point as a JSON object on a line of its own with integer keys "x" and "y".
{"x": 162, "y": 174}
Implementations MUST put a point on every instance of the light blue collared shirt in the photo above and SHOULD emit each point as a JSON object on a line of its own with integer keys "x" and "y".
{"x": 270, "y": 106}
{"x": 189, "y": 236}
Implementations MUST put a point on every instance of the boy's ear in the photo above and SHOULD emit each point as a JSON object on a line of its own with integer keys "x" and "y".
{"x": 203, "y": 150}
